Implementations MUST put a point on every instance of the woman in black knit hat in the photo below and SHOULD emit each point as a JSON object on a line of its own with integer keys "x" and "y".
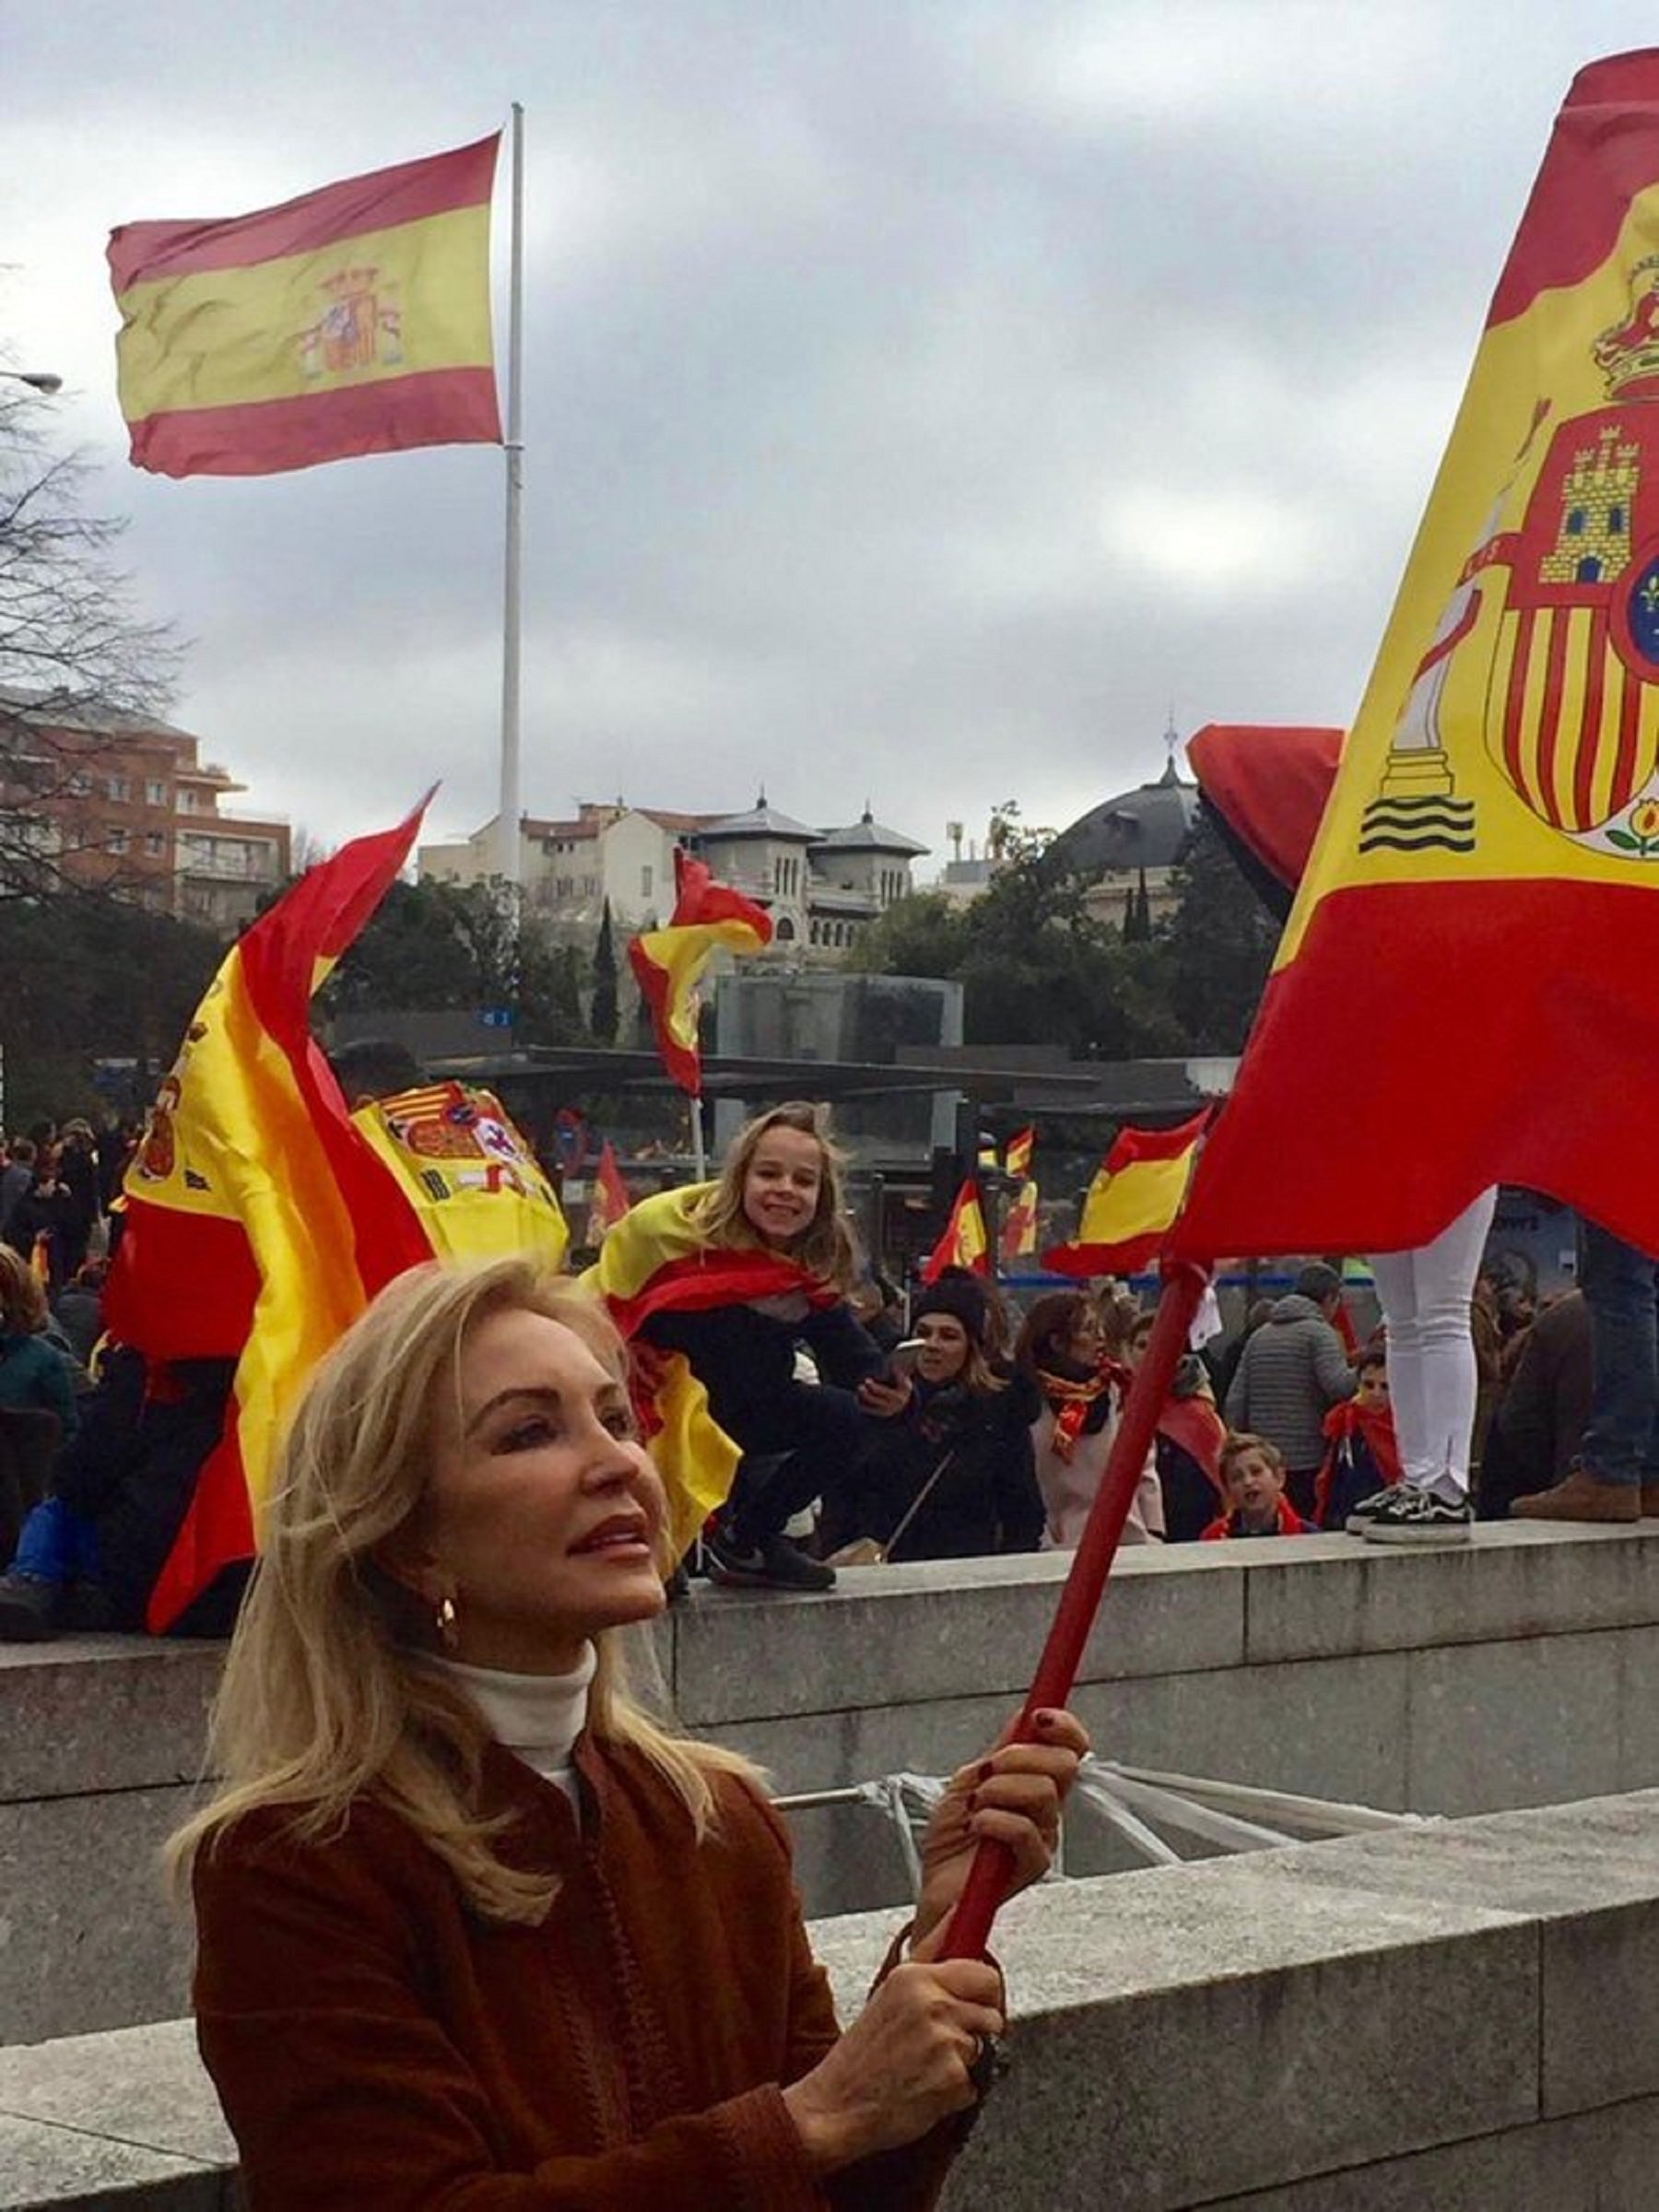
{"x": 948, "y": 1473}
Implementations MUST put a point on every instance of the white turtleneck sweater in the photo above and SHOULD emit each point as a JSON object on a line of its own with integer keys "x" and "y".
{"x": 538, "y": 1717}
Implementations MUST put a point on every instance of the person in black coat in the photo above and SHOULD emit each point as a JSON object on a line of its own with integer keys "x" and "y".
{"x": 949, "y": 1473}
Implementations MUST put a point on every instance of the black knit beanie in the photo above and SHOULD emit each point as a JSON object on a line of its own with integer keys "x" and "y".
{"x": 959, "y": 1296}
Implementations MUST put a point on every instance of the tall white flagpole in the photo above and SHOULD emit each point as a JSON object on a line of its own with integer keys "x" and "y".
{"x": 508, "y": 817}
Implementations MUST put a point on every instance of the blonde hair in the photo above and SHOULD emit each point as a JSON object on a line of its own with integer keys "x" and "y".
{"x": 826, "y": 1247}
{"x": 22, "y": 1295}
{"x": 325, "y": 1699}
{"x": 1240, "y": 1441}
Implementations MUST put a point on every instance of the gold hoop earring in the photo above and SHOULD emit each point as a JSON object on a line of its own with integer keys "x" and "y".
{"x": 448, "y": 1631}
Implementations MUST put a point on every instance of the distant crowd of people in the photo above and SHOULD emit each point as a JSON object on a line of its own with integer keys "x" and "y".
{"x": 869, "y": 1425}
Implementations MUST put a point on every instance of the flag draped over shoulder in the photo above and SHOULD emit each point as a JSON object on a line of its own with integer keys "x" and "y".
{"x": 1132, "y": 1201}
{"x": 353, "y": 320}
{"x": 668, "y": 963}
{"x": 258, "y": 1223}
{"x": 964, "y": 1242}
{"x": 1465, "y": 984}
{"x": 658, "y": 1258}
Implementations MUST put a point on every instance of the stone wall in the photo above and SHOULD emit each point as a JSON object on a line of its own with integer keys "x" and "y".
{"x": 1516, "y": 1670}
{"x": 1464, "y": 2016}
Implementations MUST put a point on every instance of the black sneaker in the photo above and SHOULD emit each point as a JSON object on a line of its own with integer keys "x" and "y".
{"x": 31, "y": 1608}
{"x": 1362, "y": 1515}
{"x": 1414, "y": 1516}
{"x": 772, "y": 1564}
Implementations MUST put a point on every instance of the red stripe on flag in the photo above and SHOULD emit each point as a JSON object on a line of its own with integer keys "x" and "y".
{"x": 182, "y": 1286}
{"x": 1590, "y": 742}
{"x": 1602, "y": 152}
{"x": 1368, "y": 1179}
{"x": 406, "y": 193}
{"x": 1512, "y": 753}
{"x": 1555, "y": 686}
{"x": 264, "y": 437}
{"x": 1133, "y": 1144}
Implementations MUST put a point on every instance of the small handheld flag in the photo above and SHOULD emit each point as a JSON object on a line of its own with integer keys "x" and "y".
{"x": 964, "y": 1243}
{"x": 668, "y": 963}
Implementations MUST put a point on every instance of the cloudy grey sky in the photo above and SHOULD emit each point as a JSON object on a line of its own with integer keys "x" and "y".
{"x": 923, "y": 398}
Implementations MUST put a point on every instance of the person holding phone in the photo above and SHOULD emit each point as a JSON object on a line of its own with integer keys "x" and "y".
{"x": 948, "y": 1472}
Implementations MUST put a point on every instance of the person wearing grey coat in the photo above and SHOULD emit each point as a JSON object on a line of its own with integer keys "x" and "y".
{"x": 1294, "y": 1369}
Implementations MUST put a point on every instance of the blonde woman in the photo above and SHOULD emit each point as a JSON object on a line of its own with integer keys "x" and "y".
{"x": 472, "y": 1930}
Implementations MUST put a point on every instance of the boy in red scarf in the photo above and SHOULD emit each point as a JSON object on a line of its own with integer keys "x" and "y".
{"x": 1362, "y": 1455}
{"x": 1253, "y": 1471}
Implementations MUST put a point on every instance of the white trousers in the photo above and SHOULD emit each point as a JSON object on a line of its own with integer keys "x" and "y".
{"x": 1432, "y": 1373}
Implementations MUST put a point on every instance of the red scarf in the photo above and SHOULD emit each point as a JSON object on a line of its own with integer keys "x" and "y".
{"x": 1071, "y": 1399}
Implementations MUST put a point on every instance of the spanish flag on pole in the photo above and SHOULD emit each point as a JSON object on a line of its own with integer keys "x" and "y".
{"x": 258, "y": 1223}
{"x": 964, "y": 1243}
{"x": 1018, "y": 1238}
{"x": 1464, "y": 993}
{"x": 353, "y": 320}
{"x": 668, "y": 964}
{"x": 1132, "y": 1201}
{"x": 1016, "y": 1155}
{"x": 611, "y": 1197}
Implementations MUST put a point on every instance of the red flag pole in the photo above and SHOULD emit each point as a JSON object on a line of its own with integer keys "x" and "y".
{"x": 1183, "y": 1286}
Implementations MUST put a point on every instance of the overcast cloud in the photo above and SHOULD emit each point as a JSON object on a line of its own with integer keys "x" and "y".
{"x": 922, "y": 400}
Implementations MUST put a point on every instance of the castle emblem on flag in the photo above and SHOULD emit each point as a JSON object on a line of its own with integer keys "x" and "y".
{"x": 360, "y": 325}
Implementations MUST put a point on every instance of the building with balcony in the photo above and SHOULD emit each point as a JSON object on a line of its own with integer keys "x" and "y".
{"x": 821, "y": 887}
{"x": 100, "y": 800}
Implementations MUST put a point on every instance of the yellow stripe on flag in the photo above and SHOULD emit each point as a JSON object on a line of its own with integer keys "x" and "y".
{"x": 220, "y": 337}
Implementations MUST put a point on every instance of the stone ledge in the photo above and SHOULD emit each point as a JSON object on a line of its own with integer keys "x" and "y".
{"x": 1365, "y": 2026}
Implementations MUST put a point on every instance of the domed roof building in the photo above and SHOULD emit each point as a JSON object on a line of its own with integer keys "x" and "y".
{"x": 1137, "y": 837}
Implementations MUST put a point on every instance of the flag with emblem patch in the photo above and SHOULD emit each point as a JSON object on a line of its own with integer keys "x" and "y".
{"x": 353, "y": 320}
{"x": 1463, "y": 993}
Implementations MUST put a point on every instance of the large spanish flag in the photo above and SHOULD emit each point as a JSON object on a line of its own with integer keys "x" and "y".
{"x": 668, "y": 964}
{"x": 353, "y": 320}
{"x": 1464, "y": 993}
{"x": 1132, "y": 1202}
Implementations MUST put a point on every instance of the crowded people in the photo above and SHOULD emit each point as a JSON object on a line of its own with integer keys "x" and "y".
{"x": 1293, "y": 1370}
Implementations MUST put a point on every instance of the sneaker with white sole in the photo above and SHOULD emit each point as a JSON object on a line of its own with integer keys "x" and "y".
{"x": 1362, "y": 1515}
{"x": 772, "y": 1564}
{"x": 1414, "y": 1516}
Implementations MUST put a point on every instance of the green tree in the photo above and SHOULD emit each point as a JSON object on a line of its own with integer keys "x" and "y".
{"x": 1221, "y": 941}
{"x": 603, "y": 1011}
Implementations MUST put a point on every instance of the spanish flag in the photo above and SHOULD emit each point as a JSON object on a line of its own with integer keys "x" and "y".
{"x": 611, "y": 1197}
{"x": 658, "y": 1258}
{"x": 668, "y": 963}
{"x": 477, "y": 1188}
{"x": 1016, "y": 1155}
{"x": 1019, "y": 1226}
{"x": 258, "y": 1223}
{"x": 353, "y": 320}
{"x": 1132, "y": 1201}
{"x": 1465, "y": 991}
{"x": 964, "y": 1243}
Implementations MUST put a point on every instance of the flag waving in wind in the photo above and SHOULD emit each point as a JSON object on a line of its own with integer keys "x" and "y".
{"x": 353, "y": 320}
{"x": 668, "y": 963}
{"x": 1481, "y": 906}
{"x": 964, "y": 1243}
{"x": 258, "y": 1222}
{"x": 1132, "y": 1201}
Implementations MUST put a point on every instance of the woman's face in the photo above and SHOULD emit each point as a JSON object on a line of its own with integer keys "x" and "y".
{"x": 944, "y": 1352}
{"x": 1084, "y": 1341}
{"x": 781, "y": 1190}
{"x": 545, "y": 1512}
{"x": 1134, "y": 1351}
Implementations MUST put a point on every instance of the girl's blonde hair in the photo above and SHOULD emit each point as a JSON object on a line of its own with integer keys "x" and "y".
{"x": 22, "y": 1295}
{"x": 326, "y": 1697}
{"x": 827, "y": 1247}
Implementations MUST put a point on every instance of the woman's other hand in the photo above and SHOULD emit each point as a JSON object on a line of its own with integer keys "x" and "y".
{"x": 903, "y": 2065}
{"x": 1014, "y": 1797}
{"x": 886, "y": 1400}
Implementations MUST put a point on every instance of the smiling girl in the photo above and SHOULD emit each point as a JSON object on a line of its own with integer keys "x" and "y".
{"x": 472, "y": 1929}
{"x": 754, "y": 1268}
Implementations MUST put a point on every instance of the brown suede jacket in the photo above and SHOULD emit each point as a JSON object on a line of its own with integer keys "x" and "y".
{"x": 378, "y": 2045}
